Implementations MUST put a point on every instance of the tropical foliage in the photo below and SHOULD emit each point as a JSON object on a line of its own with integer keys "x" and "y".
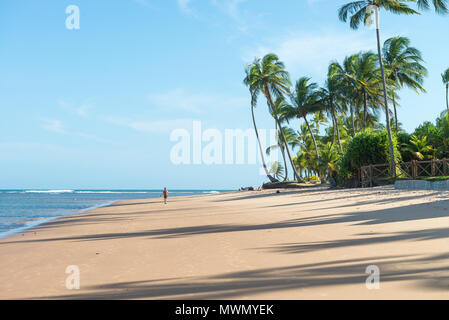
{"x": 334, "y": 128}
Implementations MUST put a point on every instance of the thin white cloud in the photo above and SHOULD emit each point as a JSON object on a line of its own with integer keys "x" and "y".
{"x": 149, "y": 126}
{"x": 54, "y": 126}
{"x": 193, "y": 102}
{"x": 306, "y": 53}
{"x": 57, "y": 126}
{"x": 230, "y": 7}
{"x": 81, "y": 110}
{"x": 184, "y": 6}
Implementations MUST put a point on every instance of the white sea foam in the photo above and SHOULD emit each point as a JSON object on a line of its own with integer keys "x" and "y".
{"x": 49, "y": 191}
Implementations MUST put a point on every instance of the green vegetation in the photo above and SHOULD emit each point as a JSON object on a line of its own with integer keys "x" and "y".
{"x": 339, "y": 126}
{"x": 432, "y": 179}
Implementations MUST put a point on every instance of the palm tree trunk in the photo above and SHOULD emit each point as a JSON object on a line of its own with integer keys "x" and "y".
{"x": 387, "y": 110}
{"x": 313, "y": 138}
{"x": 395, "y": 114}
{"x": 352, "y": 120}
{"x": 285, "y": 163}
{"x": 335, "y": 120}
{"x": 365, "y": 109}
{"x": 283, "y": 153}
{"x": 270, "y": 102}
{"x": 260, "y": 146}
{"x": 333, "y": 131}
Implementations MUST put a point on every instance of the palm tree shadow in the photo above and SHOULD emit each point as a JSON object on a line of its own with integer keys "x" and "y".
{"x": 323, "y": 275}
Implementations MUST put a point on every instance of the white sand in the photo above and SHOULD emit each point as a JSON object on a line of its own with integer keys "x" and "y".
{"x": 311, "y": 244}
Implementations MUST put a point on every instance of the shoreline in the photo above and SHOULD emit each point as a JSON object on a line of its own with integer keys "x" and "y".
{"x": 299, "y": 244}
{"x": 32, "y": 224}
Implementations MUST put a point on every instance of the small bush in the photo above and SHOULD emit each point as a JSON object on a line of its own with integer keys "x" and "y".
{"x": 367, "y": 147}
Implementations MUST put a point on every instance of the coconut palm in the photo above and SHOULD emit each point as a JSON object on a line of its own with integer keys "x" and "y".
{"x": 333, "y": 96}
{"x": 249, "y": 70}
{"x": 305, "y": 99}
{"x": 404, "y": 67}
{"x": 441, "y": 6}
{"x": 445, "y": 78}
{"x": 363, "y": 11}
{"x": 273, "y": 81}
{"x": 360, "y": 71}
{"x": 419, "y": 148}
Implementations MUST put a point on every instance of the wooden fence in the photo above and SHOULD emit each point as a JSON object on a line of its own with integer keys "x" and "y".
{"x": 372, "y": 174}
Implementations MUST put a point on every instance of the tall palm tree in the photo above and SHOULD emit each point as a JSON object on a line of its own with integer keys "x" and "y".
{"x": 404, "y": 67}
{"x": 305, "y": 99}
{"x": 445, "y": 78}
{"x": 249, "y": 70}
{"x": 273, "y": 81}
{"x": 362, "y": 11}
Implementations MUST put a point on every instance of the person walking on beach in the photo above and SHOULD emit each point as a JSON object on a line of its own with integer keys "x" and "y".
{"x": 165, "y": 194}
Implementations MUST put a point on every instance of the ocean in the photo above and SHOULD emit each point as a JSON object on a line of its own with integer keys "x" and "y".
{"x": 24, "y": 209}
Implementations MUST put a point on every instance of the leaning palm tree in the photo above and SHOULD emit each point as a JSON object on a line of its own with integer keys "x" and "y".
{"x": 273, "y": 81}
{"x": 363, "y": 11}
{"x": 279, "y": 106}
{"x": 445, "y": 78}
{"x": 404, "y": 67}
{"x": 249, "y": 70}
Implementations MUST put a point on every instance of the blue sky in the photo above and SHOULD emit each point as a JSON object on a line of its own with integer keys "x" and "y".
{"x": 94, "y": 107}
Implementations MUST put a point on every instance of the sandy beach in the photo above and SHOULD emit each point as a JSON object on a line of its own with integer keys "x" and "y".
{"x": 301, "y": 244}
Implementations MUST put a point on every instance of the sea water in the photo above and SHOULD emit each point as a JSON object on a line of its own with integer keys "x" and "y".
{"x": 24, "y": 209}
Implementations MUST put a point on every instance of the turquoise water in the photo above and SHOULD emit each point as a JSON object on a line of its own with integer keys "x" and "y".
{"x": 23, "y": 209}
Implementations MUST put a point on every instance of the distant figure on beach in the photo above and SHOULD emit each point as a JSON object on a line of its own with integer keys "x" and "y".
{"x": 165, "y": 194}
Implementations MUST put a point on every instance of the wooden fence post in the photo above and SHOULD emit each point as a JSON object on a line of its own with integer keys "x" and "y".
{"x": 445, "y": 166}
{"x": 414, "y": 169}
{"x": 432, "y": 165}
{"x": 362, "y": 176}
{"x": 371, "y": 174}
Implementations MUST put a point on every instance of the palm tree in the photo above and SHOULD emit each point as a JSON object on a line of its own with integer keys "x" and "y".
{"x": 419, "y": 148}
{"x": 277, "y": 170}
{"x": 279, "y": 105}
{"x": 305, "y": 100}
{"x": 254, "y": 93}
{"x": 290, "y": 136}
{"x": 332, "y": 94}
{"x": 362, "y": 11}
{"x": 445, "y": 78}
{"x": 404, "y": 68}
{"x": 360, "y": 71}
{"x": 272, "y": 80}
